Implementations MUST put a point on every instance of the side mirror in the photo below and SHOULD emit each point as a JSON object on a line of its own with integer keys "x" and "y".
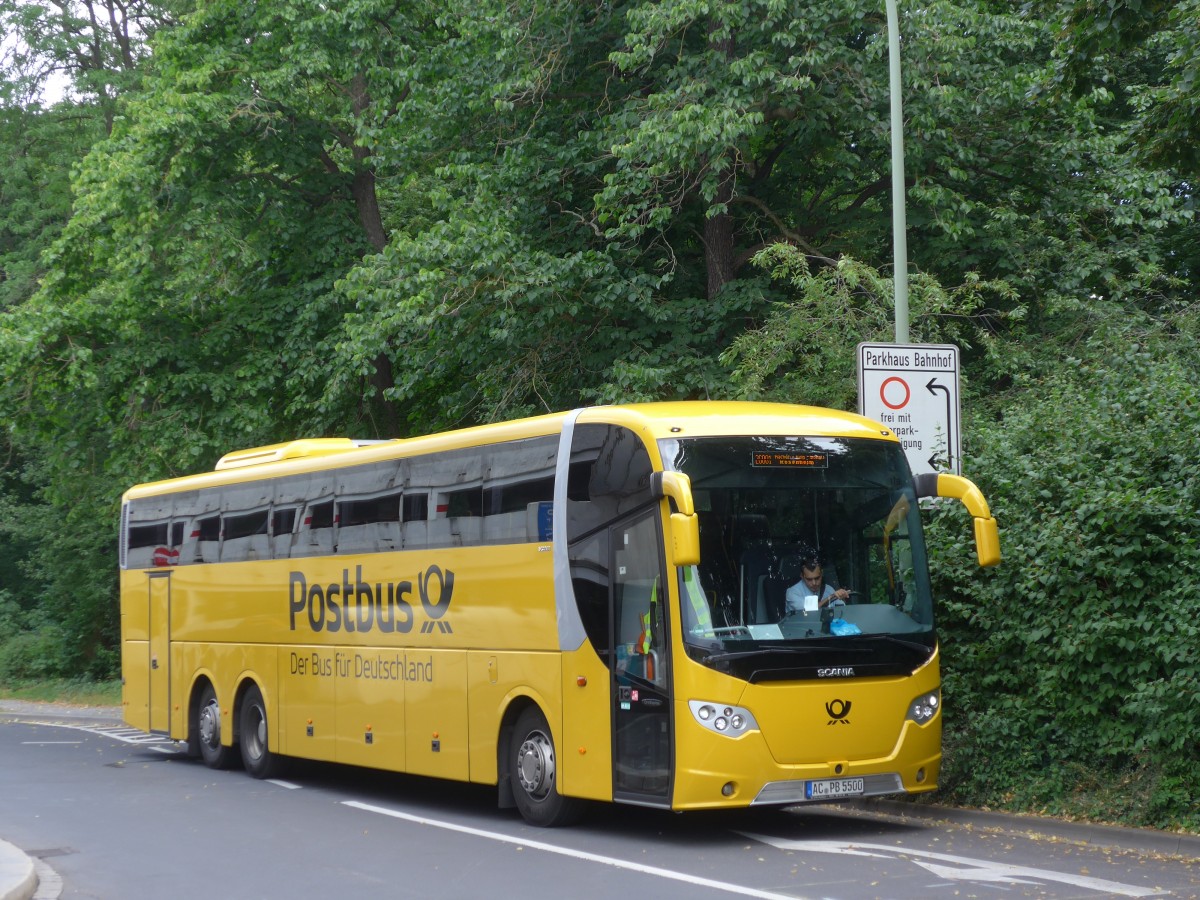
{"x": 987, "y": 542}
{"x": 683, "y": 535}
{"x": 987, "y": 532}
{"x": 676, "y": 486}
{"x": 685, "y": 540}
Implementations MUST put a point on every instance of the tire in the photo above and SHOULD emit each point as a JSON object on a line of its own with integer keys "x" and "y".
{"x": 206, "y": 732}
{"x": 257, "y": 757}
{"x": 533, "y": 772}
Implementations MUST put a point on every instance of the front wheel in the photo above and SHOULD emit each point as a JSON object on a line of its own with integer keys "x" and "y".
{"x": 257, "y": 757}
{"x": 534, "y": 774}
{"x": 205, "y": 734}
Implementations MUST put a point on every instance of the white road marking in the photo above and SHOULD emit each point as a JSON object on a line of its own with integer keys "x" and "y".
{"x": 960, "y": 868}
{"x": 116, "y": 732}
{"x": 575, "y": 854}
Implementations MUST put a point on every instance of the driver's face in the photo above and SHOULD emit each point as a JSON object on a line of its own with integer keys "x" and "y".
{"x": 813, "y": 578}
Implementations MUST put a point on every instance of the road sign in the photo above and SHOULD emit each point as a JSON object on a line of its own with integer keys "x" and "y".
{"x": 913, "y": 390}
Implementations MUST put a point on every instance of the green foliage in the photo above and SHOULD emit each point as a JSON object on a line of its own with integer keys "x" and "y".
{"x": 816, "y": 330}
{"x": 39, "y": 148}
{"x": 1152, "y": 48}
{"x": 36, "y": 654}
{"x": 1082, "y": 650}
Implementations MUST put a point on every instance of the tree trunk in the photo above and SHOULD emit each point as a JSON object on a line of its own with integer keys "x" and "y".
{"x": 366, "y": 201}
{"x": 718, "y": 230}
{"x": 718, "y": 242}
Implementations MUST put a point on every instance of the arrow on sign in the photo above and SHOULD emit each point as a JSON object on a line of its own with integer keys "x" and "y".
{"x": 933, "y": 387}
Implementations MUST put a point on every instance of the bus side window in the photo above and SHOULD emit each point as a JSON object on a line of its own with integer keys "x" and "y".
{"x": 453, "y": 484}
{"x": 245, "y": 536}
{"x": 519, "y": 477}
{"x": 208, "y": 538}
{"x": 414, "y": 525}
{"x": 315, "y": 535}
{"x": 369, "y": 524}
{"x": 142, "y": 543}
{"x": 283, "y": 523}
{"x": 464, "y": 512}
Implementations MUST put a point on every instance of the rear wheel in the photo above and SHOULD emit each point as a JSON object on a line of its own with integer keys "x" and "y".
{"x": 206, "y": 732}
{"x": 534, "y": 774}
{"x": 252, "y": 737}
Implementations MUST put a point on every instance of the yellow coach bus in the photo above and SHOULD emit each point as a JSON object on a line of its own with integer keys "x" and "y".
{"x": 615, "y": 603}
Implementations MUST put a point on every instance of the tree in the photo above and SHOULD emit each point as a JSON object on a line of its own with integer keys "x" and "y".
{"x": 93, "y": 49}
{"x": 1150, "y": 50}
{"x": 39, "y": 147}
{"x": 500, "y": 291}
{"x": 185, "y": 305}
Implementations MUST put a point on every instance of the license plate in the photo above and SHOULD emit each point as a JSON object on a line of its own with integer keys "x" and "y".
{"x": 829, "y": 788}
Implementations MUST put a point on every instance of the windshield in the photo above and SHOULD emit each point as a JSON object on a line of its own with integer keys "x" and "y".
{"x": 811, "y": 557}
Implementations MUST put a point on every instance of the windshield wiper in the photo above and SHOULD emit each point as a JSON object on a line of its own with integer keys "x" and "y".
{"x": 892, "y": 639}
{"x": 744, "y": 654}
{"x": 808, "y": 647}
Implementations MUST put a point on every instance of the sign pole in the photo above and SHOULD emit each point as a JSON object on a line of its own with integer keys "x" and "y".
{"x": 899, "y": 219}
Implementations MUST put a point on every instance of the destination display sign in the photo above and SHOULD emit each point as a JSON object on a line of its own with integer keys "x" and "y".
{"x": 789, "y": 459}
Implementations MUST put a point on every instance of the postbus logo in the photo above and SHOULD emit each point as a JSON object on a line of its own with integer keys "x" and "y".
{"x": 435, "y": 611}
{"x": 838, "y": 711}
{"x": 357, "y": 604}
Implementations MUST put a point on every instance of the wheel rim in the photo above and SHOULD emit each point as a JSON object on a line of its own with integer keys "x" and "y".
{"x": 255, "y": 736}
{"x": 535, "y": 765}
{"x": 210, "y": 724}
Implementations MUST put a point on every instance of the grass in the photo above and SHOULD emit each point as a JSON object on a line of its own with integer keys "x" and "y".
{"x": 71, "y": 692}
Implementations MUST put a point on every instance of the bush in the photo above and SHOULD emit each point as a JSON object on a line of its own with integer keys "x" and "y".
{"x": 1080, "y": 654}
{"x": 33, "y": 655}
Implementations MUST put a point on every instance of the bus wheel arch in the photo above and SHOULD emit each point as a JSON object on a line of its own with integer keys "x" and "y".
{"x": 529, "y": 769}
{"x": 252, "y": 733}
{"x": 204, "y": 727}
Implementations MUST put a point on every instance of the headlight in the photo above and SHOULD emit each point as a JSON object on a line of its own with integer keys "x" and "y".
{"x": 925, "y": 707}
{"x": 730, "y": 721}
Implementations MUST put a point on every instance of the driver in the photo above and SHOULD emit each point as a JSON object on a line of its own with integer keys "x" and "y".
{"x": 812, "y": 584}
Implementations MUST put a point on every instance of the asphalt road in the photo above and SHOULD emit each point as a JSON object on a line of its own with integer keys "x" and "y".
{"x": 111, "y": 814}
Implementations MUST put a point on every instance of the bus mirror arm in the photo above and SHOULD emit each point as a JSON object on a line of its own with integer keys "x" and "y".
{"x": 677, "y": 487}
{"x": 684, "y": 535}
{"x": 987, "y": 533}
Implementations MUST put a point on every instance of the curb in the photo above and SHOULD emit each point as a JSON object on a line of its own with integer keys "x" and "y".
{"x": 28, "y": 709}
{"x": 18, "y": 878}
{"x": 1146, "y": 840}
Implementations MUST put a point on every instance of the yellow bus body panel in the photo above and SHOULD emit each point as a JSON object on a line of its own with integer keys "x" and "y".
{"x": 798, "y": 739}
{"x": 586, "y": 746}
{"x": 420, "y": 701}
{"x": 135, "y": 652}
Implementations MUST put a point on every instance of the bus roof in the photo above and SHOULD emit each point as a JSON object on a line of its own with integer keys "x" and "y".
{"x": 654, "y": 421}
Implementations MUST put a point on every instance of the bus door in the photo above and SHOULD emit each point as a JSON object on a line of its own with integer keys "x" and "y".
{"x": 640, "y": 648}
{"x": 159, "y": 628}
